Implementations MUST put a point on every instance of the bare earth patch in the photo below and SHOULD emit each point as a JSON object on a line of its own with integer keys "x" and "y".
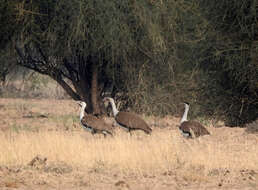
{"x": 43, "y": 146}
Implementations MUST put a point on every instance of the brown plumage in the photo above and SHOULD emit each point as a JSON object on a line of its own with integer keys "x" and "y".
{"x": 96, "y": 125}
{"x": 191, "y": 128}
{"x": 129, "y": 120}
{"x": 93, "y": 123}
{"x": 195, "y": 127}
{"x": 132, "y": 122}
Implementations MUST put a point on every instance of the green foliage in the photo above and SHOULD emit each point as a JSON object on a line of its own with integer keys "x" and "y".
{"x": 229, "y": 66}
{"x": 236, "y": 19}
{"x": 7, "y": 22}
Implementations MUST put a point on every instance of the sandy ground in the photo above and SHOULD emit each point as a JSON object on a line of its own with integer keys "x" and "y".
{"x": 228, "y": 159}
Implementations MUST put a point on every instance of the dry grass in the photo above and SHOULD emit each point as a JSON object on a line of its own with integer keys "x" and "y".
{"x": 162, "y": 152}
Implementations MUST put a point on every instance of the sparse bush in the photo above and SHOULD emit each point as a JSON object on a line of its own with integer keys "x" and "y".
{"x": 33, "y": 85}
{"x": 252, "y": 127}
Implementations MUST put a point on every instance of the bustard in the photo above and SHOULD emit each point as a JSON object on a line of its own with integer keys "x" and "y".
{"x": 128, "y": 120}
{"x": 92, "y": 123}
{"x": 191, "y": 128}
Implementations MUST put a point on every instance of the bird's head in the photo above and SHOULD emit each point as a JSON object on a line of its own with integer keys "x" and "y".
{"x": 186, "y": 104}
{"x": 81, "y": 103}
{"x": 106, "y": 100}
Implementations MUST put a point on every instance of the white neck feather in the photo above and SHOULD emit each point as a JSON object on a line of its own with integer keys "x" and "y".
{"x": 114, "y": 109}
{"x": 184, "y": 118}
{"x": 82, "y": 112}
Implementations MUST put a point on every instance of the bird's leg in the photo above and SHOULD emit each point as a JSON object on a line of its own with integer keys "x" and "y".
{"x": 93, "y": 132}
{"x": 192, "y": 134}
{"x": 130, "y": 131}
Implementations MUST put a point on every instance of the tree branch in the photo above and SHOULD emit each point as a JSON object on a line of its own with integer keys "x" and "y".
{"x": 67, "y": 88}
{"x": 73, "y": 73}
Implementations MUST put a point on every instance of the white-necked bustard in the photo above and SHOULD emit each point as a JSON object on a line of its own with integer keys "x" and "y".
{"x": 191, "y": 129}
{"x": 128, "y": 120}
{"x": 92, "y": 123}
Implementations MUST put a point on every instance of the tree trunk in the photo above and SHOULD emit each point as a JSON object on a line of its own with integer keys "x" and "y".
{"x": 94, "y": 89}
{"x": 83, "y": 90}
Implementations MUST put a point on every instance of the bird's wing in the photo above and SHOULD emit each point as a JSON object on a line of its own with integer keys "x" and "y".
{"x": 194, "y": 127}
{"x": 95, "y": 123}
{"x": 132, "y": 120}
{"x": 185, "y": 127}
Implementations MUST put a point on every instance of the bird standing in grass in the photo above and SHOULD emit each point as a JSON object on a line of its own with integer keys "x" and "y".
{"x": 191, "y": 129}
{"x": 130, "y": 121}
{"x": 92, "y": 123}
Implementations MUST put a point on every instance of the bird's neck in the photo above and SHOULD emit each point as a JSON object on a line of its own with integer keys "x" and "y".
{"x": 114, "y": 109}
{"x": 82, "y": 112}
{"x": 184, "y": 118}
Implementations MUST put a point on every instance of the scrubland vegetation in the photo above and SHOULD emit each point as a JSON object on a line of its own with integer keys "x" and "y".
{"x": 227, "y": 158}
{"x": 150, "y": 56}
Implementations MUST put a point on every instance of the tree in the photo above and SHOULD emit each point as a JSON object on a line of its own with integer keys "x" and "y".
{"x": 79, "y": 42}
{"x": 143, "y": 46}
